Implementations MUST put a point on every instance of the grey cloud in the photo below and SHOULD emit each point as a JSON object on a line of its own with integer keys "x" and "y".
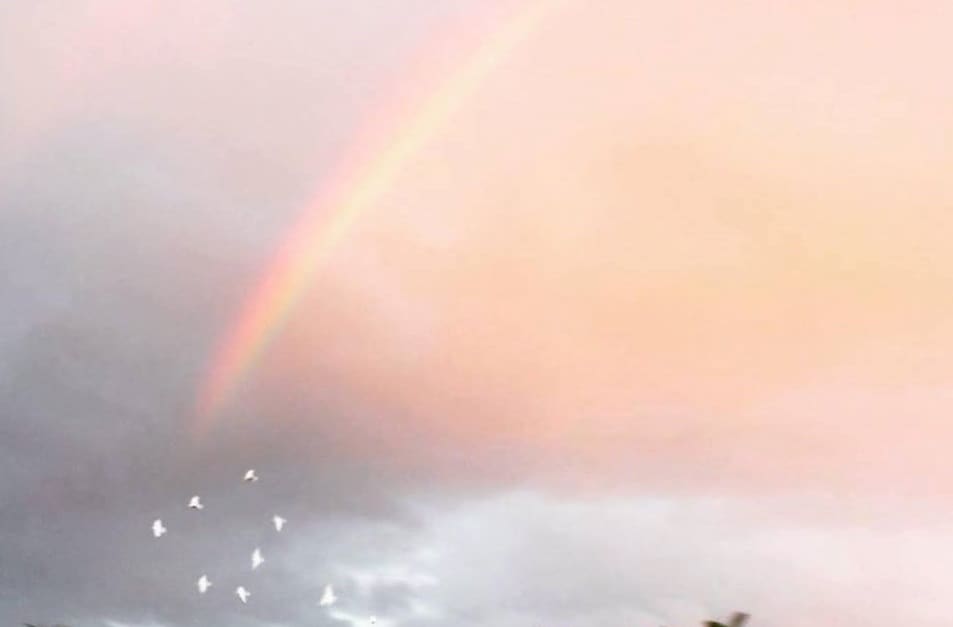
{"x": 521, "y": 558}
{"x": 132, "y": 213}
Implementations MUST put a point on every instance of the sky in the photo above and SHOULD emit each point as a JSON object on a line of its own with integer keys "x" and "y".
{"x": 654, "y": 325}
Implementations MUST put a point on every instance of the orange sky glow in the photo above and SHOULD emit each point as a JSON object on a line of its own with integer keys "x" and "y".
{"x": 688, "y": 221}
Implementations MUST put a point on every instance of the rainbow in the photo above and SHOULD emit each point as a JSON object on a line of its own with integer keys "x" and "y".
{"x": 358, "y": 185}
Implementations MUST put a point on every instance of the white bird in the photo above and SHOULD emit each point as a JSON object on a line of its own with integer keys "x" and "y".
{"x": 203, "y": 584}
{"x": 195, "y": 503}
{"x": 242, "y": 594}
{"x": 327, "y": 598}
{"x": 157, "y": 529}
{"x": 250, "y": 475}
{"x": 279, "y": 522}
{"x": 256, "y": 559}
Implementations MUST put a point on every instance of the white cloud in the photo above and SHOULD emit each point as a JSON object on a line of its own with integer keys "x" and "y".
{"x": 361, "y": 620}
{"x": 116, "y": 623}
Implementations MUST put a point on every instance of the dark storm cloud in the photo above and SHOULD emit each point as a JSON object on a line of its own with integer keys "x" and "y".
{"x": 153, "y": 156}
{"x": 97, "y": 390}
{"x": 123, "y": 251}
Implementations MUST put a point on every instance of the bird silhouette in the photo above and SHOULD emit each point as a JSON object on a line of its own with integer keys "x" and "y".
{"x": 256, "y": 559}
{"x": 242, "y": 594}
{"x": 195, "y": 503}
{"x": 279, "y": 522}
{"x": 250, "y": 476}
{"x": 157, "y": 529}
{"x": 203, "y": 584}
{"x": 327, "y": 598}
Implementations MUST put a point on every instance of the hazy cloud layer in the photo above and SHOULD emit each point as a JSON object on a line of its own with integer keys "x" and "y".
{"x": 657, "y": 329}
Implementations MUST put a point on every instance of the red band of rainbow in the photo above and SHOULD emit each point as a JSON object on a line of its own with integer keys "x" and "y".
{"x": 328, "y": 219}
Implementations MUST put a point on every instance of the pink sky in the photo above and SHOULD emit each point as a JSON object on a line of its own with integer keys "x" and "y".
{"x": 680, "y": 252}
{"x": 721, "y": 232}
